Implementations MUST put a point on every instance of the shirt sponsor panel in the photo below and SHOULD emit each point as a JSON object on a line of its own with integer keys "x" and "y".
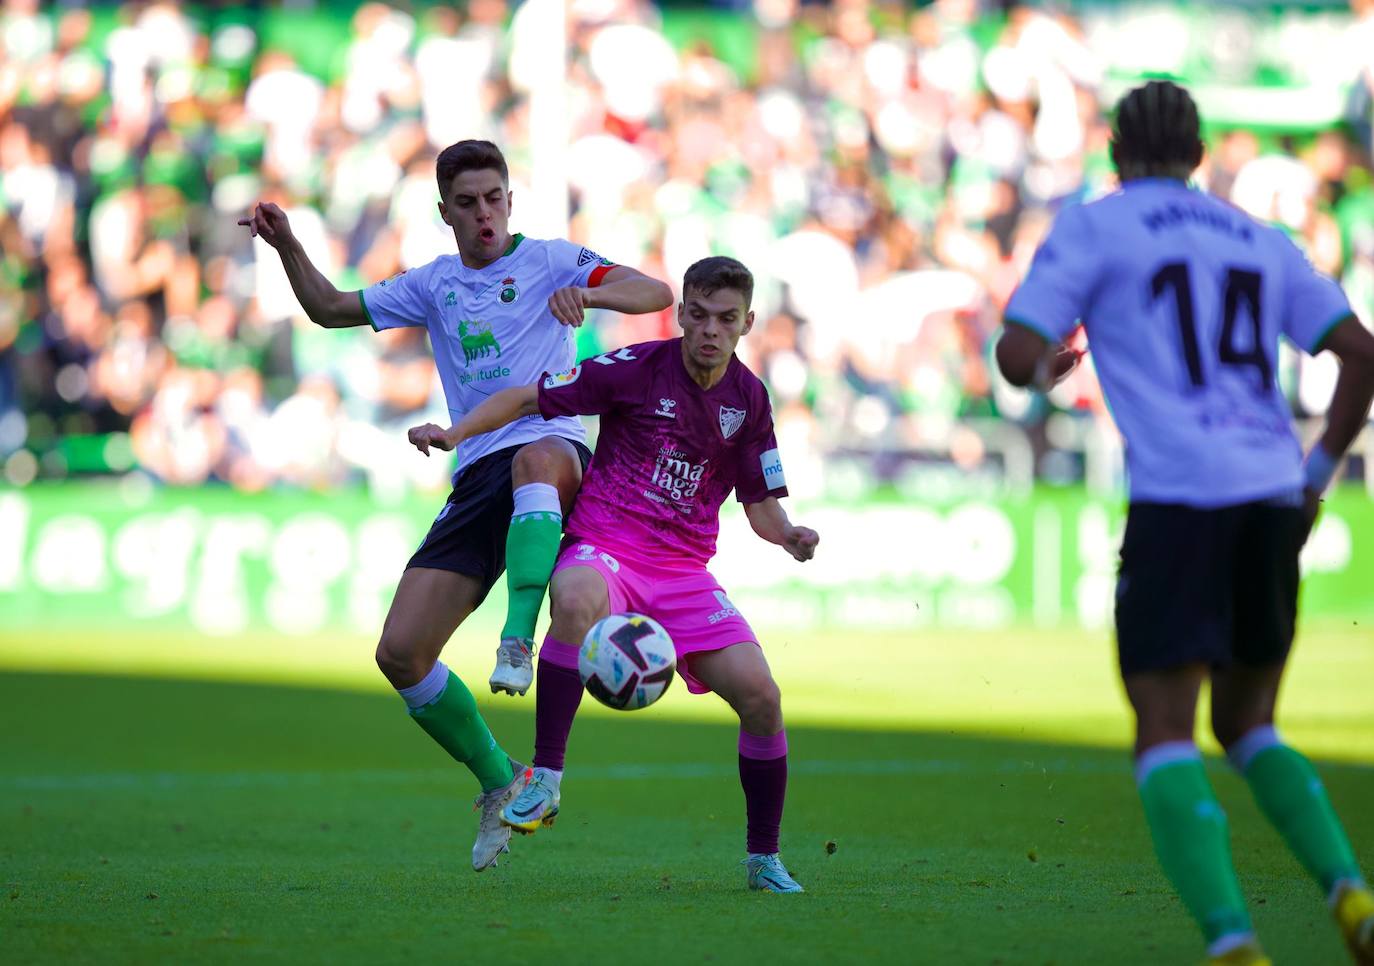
{"x": 491, "y": 329}
{"x": 771, "y": 461}
{"x": 669, "y": 454}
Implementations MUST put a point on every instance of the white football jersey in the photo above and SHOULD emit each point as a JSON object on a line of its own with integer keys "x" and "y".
{"x": 491, "y": 328}
{"x": 1183, "y": 298}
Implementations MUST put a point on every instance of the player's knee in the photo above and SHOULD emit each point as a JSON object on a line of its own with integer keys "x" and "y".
{"x": 398, "y": 663}
{"x": 535, "y": 463}
{"x": 570, "y": 607}
{"x": 760, "y": 707}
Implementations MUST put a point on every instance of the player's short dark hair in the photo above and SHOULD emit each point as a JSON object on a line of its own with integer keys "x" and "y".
{"x": 718, "y": 272}
{"x": 1156, "y": 131}
{"x": 468, "y": 156}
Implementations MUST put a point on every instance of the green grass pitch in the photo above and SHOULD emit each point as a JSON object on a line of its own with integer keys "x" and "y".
{"x": 975, "y": 787}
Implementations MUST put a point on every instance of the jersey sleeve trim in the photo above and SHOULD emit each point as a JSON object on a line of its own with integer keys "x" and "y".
{"x": 367, "y": 312}
{"x": 1035, "y": 327}
{"x": 1326, "y": 330}
{"x": 598, "y": 274}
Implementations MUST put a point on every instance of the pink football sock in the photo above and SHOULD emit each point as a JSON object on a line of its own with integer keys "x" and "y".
{"x": 557, "y": 693}
{"x": 763, "y": 775}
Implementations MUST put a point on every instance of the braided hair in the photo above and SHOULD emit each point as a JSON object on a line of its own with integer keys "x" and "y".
{"x": 1156, "y": 133}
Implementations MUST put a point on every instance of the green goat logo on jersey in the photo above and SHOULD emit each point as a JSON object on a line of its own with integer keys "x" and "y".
{"x": 478, "y": 342}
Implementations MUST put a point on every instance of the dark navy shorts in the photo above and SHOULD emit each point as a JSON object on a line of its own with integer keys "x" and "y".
{"x": 469, "y": 535}
{"x": 1216, "y": 587}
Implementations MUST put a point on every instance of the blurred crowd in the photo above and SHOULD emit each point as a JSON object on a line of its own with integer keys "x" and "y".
{"x": 886, "y": 171}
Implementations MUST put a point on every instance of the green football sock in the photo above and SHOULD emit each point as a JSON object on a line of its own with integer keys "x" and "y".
{"x": 1294, "y": 799}
{"x": 1190, "y": 835}
{"x": 531, "y": 549}
{"x": 452, "y": 719}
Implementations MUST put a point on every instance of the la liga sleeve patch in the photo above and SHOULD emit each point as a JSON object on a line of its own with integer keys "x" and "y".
{"x": 772, "y": 469}
{"x": 565, "y": 378}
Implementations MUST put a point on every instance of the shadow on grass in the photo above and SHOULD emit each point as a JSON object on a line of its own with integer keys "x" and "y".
{"x": 152, "y": 819}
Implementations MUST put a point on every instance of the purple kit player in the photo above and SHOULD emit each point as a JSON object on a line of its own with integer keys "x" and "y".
{"x": 683, "y": 422}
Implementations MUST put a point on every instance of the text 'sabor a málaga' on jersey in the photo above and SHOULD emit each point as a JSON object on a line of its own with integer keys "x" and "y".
{"x": 668, "y": 453}
{"x": 1183, "y": 298}
{"x": 491, "y": 328}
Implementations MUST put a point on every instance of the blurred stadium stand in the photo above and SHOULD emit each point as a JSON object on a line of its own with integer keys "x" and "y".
{"x": 886, "y": 170}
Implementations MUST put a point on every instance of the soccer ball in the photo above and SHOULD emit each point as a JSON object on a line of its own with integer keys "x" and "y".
{"x": 627, "y": 661}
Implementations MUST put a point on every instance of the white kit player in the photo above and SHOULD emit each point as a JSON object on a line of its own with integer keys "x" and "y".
{"x": 1183, "y": 299}
{"x": 499, "y": 313}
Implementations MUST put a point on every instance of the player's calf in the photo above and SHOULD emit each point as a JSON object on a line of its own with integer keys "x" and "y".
{"x": 536, "y": 526}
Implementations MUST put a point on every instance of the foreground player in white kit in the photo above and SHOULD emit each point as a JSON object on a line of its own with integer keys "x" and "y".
{"x": 1183, "y": 299}
{"x": 498, "y": 315}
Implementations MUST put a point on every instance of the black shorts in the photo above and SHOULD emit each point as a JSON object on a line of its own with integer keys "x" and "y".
{"x": 1213, "y": 587}
{"x": 469, "y": 535}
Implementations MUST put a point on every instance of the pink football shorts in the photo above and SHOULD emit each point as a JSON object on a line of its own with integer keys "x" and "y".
{"x": 684, "y": 598}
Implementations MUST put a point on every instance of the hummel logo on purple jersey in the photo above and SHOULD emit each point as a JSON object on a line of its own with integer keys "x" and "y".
{"x": 665, "y": 408}
{"x": 731, "y": 420}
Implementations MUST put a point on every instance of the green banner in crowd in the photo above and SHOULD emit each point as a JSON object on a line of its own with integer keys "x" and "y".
{"x": 217, "y": 562}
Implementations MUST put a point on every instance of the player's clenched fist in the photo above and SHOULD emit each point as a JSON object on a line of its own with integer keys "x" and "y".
{"x": 423, "y": 437}
{"x": 801, "y": 542}
{"x": 1064, "y": 361}
{"x": 269, "y": 223}
{"x": 569, "y": 305}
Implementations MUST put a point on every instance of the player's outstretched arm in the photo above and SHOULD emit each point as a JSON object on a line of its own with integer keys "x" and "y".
{"x": 623, "y": 289}
{"x": 1354, "y": 346}
{"x": 769, "y": 520}
{"x": 326, "y": 305}
{"x": 500, "y": 408}
{"x": 1026, "y": 358}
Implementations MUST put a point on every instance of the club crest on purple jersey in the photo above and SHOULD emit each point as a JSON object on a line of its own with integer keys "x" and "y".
{"x": 731, "y": 420}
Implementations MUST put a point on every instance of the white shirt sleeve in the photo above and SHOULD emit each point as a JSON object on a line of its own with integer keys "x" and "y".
{"x": 1313, "y": 303}
{"x": 571, "y": 264}
{"x": 1056, "y": 290}
{"x": 401, "y": 300}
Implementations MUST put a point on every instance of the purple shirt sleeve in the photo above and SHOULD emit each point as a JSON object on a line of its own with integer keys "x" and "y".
{"x": 597, "y": 386}
{"x": 759, "y": 473}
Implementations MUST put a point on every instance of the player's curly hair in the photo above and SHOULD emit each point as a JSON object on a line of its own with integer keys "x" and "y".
{"x": 1156, "y": 132}
{"x": 717, "y": 272}
{"x": 468, "y": 156}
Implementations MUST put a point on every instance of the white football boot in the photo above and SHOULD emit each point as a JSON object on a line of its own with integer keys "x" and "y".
{"x": 514, "y": 666}
{"x": 493, "y": 838}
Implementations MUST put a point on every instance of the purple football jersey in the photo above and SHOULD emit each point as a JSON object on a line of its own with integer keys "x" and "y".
{"x": 669, "y": 452}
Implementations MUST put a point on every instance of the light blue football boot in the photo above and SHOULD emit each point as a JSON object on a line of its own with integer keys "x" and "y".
{"x": 535, "y": 806}
{"x": 766, "y": 872}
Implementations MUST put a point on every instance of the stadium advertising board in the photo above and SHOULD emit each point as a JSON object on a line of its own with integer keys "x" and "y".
{"x": 221, "y": 563}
